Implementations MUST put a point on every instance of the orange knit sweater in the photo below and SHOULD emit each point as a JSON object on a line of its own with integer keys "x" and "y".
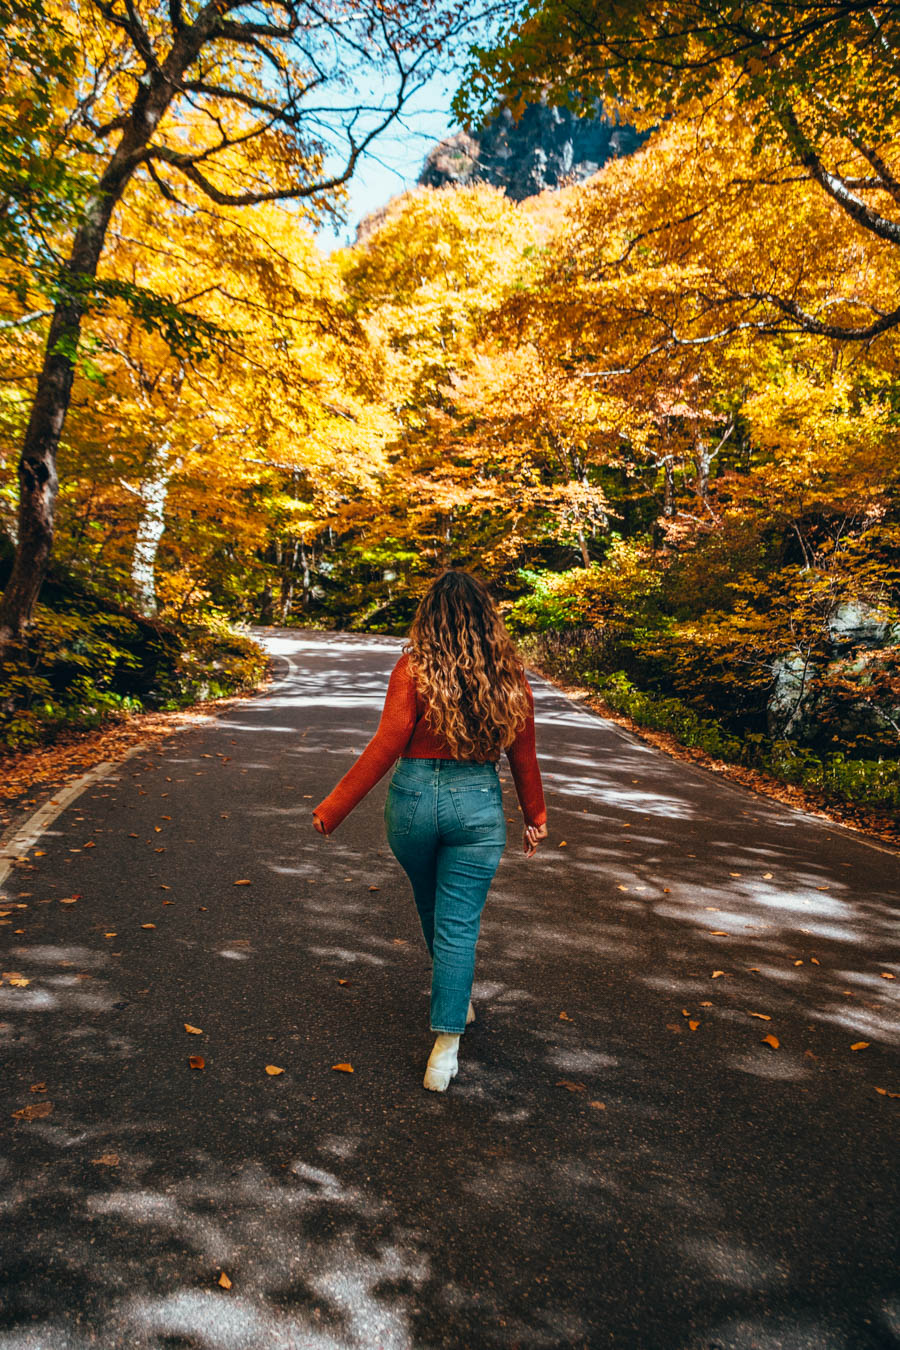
{"x": 404, "y": 731}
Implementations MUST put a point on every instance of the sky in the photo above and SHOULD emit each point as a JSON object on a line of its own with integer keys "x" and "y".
{"x": 395, "y": 159}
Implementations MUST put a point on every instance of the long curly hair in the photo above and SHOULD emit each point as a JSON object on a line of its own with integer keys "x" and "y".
{"x": 466, "y": 668}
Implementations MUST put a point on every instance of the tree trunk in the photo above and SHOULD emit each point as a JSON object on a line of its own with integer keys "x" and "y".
{"x": 150, "y": 530}
{"x": 37, "y": 467}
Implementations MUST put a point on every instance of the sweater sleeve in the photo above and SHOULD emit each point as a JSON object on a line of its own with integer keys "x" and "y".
{"x": 398, "y": 720}
{"x": 522, "y": 755}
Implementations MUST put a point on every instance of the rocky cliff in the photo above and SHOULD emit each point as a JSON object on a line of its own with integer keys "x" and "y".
{"x": 546, "y": 148}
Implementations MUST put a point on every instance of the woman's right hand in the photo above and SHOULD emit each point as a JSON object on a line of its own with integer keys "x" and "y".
{"x": 533, "y": 833}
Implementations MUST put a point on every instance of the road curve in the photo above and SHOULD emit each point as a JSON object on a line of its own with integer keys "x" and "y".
{"x": 623, "y": 1161}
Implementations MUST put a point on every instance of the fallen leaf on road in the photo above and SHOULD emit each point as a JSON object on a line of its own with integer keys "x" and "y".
{"x": 273, "y": 1070}
{"x": 599, "y": 1106}
{"x": 38, "y": 1087}
{"x": 886, "y": 975}
{"x": 764, "y": 1017}
{"x": 562, "y": 844}
{"x": 343, "y": 1068}
{"x": 860, "y": 1045}
{"x": 706, "y": 1004}
{"x": 693, "y": 1025}
{"x": 667, "y": 890}
{"x": 685, "y": 1013}
{"x": 245, "y": 881}
{"x": 734, "y": 874}
{"x": 90, "y": 844}
{"x": 36, "y": 1111}
{"x": 69, "y": 899}
{"x": 771, "y": 1040}
{"x": 374, "y": 888}
{"x": 570, "y": 1086}
{"x": 106, "y": 1160}
{"x": 717, "y": 973}
{"x": 767, "y": 876}
{"x": 108, "y": 935}
{"x": 621, "y": 888}
{"x": 673, "y": 1026}
{"x": 400, "y": 942}
{"x": 197, "y": 1062}
{"x": 808, "y": 1054}
{"x": 19, "y": 981}
{"x": 798, "y": 963}
{"x": 343, "y": 981}
{"x": 718, "y": 932}
{"x": 164, "y": 888}
{"x": 813, "y": 961}
{"x": 224, "y": 1281}
{"x": 564, "y": 1017}
{"x": 192, "y": 1031}
{"x": 883, "y": 1092}
{"x": 148, "y": 925}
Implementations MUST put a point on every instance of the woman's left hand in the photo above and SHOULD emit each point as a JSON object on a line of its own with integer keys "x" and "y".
{"x": 532, "y": 834}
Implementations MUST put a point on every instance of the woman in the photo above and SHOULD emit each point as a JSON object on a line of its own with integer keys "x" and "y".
{"x": 457, "y": 698}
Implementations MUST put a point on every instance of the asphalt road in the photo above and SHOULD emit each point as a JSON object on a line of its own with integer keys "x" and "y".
{"x": 599, "y": 1175}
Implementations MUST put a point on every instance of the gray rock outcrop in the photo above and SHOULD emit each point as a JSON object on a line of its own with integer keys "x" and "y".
{"x": 546, "y": 148}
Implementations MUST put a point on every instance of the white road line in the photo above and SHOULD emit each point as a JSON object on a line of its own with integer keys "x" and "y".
{"x": 24, "y": 837}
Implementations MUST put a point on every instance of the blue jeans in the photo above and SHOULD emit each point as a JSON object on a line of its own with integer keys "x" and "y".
{"x": 446, "y": 828}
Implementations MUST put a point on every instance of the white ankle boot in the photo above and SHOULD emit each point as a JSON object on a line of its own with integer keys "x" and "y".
{"x": 470, "y": 1015}
{"x": 442, "y": 1063}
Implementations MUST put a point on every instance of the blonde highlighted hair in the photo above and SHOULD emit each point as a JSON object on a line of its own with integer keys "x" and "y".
{"x": 466, "y": 668}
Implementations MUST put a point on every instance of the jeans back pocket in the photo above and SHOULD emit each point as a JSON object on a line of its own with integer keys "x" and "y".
{"x": 479, "y": 806}
{"x": 400, "y": 809}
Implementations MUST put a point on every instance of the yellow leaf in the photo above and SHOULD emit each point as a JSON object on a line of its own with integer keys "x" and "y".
{"x": 883, "y": 1092}
{"x": 192, "y": 1031}
{"x": 343, "y": 1068}
{"x": 109, "y": 935}
{"x": 706, "y": 1004}
{"x": 69, "y": 899}
{"x": 273, "y": 1070}
{"x": 245, "y": 881}
{"x": 570, "y": 1086}
{"x": 564, "y": 1017}
{"x": 36, "y": 1111}
{"x": 693, "y": 1025}
{"x": 886, "y": 975}
{"x": 717, "y": 973}
{"x": 148, "y": 925}
{"x": 764, "y": 1017}
{"x": 771, "y": 1040}
{"x": 798, "y": 963}
{"x": 19, "y": 981}
{"x": 599, "y": 1106}
{"x": 767, "y": 876}
{"x": 224, "y": 1281}
{"x": 38, "y": 1087}
{"x": 106, "y": 1160}
{"x": 621, "y": 888}
{"x": 562, "y": 844}
{"x": 860, "y": 1045}
{"x": 343, "y": 981}
{"x": 813, "y": 961}
{"x": 197, "y": 1062}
